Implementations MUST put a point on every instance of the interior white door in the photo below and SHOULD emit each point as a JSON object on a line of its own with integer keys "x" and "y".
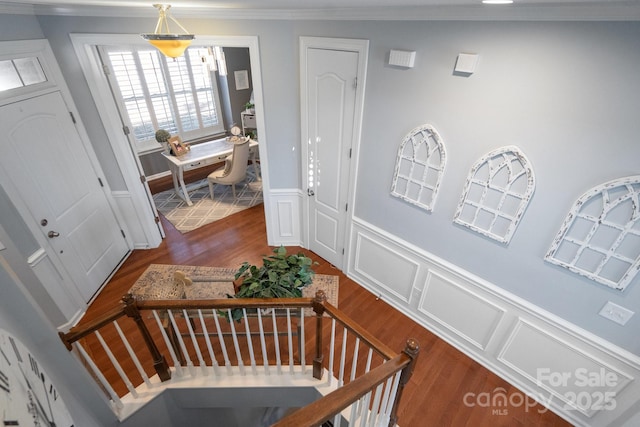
{"x": 331, "y": 101}
{"x": 44, "y": 158}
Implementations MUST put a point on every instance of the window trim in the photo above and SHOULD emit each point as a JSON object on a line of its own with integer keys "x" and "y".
{"x": 128, "y": 163}
{"x": 150, "y": 145}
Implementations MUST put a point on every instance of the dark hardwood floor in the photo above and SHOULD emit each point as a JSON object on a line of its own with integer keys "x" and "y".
{"x": 444, "y": 388}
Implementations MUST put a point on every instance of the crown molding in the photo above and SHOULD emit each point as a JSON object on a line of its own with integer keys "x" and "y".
{"x": 614, "y": 11}
{"x": 16, "y": 9}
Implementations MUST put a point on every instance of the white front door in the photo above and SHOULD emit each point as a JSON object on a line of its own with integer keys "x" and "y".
{"x": 330, "y": 112}
{"x": 44, "y": 157}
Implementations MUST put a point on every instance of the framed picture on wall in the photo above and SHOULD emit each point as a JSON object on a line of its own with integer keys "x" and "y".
{"x": 178, "y": 148}
{"x": 242, "y": 79}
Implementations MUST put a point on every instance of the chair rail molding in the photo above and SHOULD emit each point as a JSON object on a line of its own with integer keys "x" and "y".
{"x": 508, "y": 335}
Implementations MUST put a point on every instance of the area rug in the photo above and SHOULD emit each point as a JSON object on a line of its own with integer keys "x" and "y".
{"x": 204, "y": 210}
{"x": 157, "y": 283}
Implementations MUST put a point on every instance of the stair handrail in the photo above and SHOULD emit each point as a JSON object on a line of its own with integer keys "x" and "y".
{"x": 313, "y": 414}
{"x": 323, "y": 409}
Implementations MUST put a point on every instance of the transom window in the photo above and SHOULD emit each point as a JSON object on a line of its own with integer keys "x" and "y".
{"x": 20, "y": 72}
{"x": 155, "y": 92}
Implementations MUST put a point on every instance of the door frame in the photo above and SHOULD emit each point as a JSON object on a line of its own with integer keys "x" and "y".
{"x": 361, "y": 47}
{"x": 57, "y": 287}
{"x": 84, "y": 45}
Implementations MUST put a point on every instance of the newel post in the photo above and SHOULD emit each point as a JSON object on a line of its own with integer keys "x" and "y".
{"x": 159, "y": 363}
{"x": 318, "y": 308}
{"x": 412, "y": 349}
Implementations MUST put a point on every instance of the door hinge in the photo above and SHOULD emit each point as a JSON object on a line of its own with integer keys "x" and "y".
{"x": 100, "y": 181}
{"x": 355, "y": 83}
{"x": 123, "y": 235}
{"x": 157, "y": 219}
{"x": 126, "y": 130}
{"x": 73, "y": 119}
{"x": 350, "y": 150}
{"x": 106, "y": 70}
{"x": 346, "y": 207}
{"x": 143, "y": 179}
{"x": 342, "y": 251}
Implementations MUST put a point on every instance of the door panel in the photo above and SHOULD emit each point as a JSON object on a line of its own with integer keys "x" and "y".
{"x": 46, "y": 162}
{"x": 331, "y": 96}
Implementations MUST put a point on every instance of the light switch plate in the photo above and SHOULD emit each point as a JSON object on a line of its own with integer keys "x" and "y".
{"x": 616, "y": 313}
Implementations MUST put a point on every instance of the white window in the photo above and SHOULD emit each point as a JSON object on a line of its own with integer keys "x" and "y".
{"x": 496, "y": 194}
{"x": 155, "y": 92}
{"x": 600, "y": 237}
{"x": 20, "y": 72}
{"x": 419, "y": 167}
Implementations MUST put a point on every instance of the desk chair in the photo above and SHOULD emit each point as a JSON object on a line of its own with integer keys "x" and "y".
{"x": 234, "y": 170}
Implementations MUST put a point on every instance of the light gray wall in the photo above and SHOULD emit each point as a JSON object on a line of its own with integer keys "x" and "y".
{"x": 21, "y": 318}
{"x": 565, "y": 93}
{"x": 237, "y": 60}
{"x": 19, "y": 27}
{"x": 227, "y": 406}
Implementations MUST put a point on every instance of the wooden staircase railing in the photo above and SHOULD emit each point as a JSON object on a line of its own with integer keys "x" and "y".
{"x": 128, "y": 344}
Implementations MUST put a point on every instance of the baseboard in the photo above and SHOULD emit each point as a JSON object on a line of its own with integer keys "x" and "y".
{"x": 513, "y": 338}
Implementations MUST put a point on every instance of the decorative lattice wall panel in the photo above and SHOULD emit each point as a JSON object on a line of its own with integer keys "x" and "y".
{"x": 419, "y": 167}
{"x": 496, "y": 193}
{"x": 600, "y": 237}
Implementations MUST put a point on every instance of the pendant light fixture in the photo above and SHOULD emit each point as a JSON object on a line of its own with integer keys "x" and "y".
{"x": 170, "y": 44}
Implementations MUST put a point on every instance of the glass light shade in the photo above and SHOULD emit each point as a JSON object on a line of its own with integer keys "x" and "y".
{"x": 171, "y": 45}
{"x": 167, "y": 42}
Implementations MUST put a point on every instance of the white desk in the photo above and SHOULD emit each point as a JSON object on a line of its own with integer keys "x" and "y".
{"x": 201, "y": 155}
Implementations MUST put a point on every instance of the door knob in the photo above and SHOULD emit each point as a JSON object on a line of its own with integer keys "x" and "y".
{"x": 53, "y": 234}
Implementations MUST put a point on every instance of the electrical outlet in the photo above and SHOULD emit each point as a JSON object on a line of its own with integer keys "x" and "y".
{"x": 616, "y": 313}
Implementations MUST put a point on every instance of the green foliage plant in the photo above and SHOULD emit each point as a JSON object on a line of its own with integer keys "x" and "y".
{"x": 162, "y": 135}
{"x": 280, "y": 276}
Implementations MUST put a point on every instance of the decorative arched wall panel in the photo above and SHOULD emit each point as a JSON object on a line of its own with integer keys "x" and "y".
{"x": 419, "y": 167}
{"x": 600, "y": 237}
{"x": 496, "y": 194}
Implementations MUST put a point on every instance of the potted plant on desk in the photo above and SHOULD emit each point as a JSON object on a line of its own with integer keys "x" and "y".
{"x": 162, "y": 136}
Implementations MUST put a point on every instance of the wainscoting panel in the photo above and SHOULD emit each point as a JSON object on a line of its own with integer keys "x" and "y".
{"x": 285, "y": 217}
{"x": 390, "y": 270}
{"x": 577, "y": 379}
{"x": 463, "y": 312}
{"x": 580, "y": 376}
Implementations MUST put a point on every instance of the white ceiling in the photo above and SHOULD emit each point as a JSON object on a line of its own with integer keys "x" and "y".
{"x": 340, "y": 9}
